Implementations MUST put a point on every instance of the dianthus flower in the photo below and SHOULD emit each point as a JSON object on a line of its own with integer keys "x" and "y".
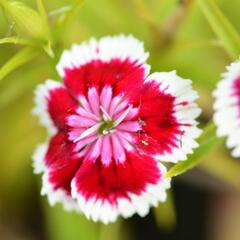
{"x": 110, "y": 123}
{"x": 226, "y": 107}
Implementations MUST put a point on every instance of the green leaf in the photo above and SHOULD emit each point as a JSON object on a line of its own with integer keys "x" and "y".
{"x": 207, "y": 141}
{"x": 48, "y": 49}
{"x": 17, "y": 60}
{"x": 58, "y": 11}
{"x": 28, "y": 21}
{"x": 222, "y": 27}
{"x": 15, "y": 40}
{"x": 42, "y": 11}
{"x": 67, "y": 16}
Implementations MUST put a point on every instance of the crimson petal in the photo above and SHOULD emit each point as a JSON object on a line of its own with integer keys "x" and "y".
{"x": 60, "y": 105}
{"x": 167, "y": 113}
{"x": 98, "y": 186}
{"x": 122, "y": 76}
{"x": 52, "y": 105}
{"x": 116, "y": 61}
{"x": 62, "y": 165}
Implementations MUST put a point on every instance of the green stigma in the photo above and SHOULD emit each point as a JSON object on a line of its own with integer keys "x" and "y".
{"x": 105, "y": 126}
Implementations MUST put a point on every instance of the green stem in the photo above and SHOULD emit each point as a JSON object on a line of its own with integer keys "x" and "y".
{"x": 171, "y": 27}
{"x": 163, "y": 34}
{"x": 165, "y": 214}
{"x": 16, "y": 40}
{"x": 222, "y": 27}
{"x": 62, "y": 225}
{"x": 110, "y": 231}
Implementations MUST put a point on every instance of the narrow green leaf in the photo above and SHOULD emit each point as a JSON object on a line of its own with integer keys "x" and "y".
{"x": 59, "y": 11}
{"x": 17, "y": 60}
{"x": 197, "y": 43}
{"x": 207, "y": 141}
{"x": 48, "y": 49}
{"x": 15, "y": 40}
{"x": 222, "y": 27}
{"x": 67, "y": 16}
{"x": 42, "y": 11}
{"x": 28, "y": 21}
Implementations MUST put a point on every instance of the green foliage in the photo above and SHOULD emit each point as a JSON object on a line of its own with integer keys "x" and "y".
{"x": 66, "y": 17}
{"x": 42, "y": 11}
{"x": 15, "y": 40}
{"x": 29, "y": 22}
{"x": 222, "y": 27}
{"x": 17, "y": 60}
{"x": 206, "y": 142}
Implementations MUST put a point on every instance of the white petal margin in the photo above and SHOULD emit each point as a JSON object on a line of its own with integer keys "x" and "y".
{"x": 38, "y": 158}
{"x": 97, "y": 210}
{"x": 181, "y": 89}
{"x": 40, "y": 106}
{"x": 107, "y": 48}
{"x": 57, "y": 196}
{"x": 226, "y": 110}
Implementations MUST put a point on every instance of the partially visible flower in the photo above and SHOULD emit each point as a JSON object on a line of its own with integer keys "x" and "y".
{"x": 109, "y": 125}
{"x": 227, "y": 107}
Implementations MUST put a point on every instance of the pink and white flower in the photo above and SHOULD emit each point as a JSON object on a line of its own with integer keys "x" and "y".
{"x": 109, "y": 124}
{"x": 227, "y": 107}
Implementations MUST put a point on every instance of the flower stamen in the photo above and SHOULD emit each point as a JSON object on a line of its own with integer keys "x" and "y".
{"x": 122, "y": 116}
{"x": 106, "y": 116}
{"x": 88, "y": 132}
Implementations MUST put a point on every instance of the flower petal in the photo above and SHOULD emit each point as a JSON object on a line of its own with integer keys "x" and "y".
{"x": 56, "y": 188}
{"x": 59, "y": 151}
{"x": 109, "y": 124}
{"x": 167, "y": 114}
{"x": 117, "y": 61}
{"x": 38, "y": 157}
{"x": 227, "y": 107}
{"x": 52, "y": 105}
{"x": 104, "y": 192}
{"x": 61, "y": 166}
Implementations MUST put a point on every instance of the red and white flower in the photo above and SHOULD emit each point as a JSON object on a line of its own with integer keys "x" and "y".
{"x": 110, "y": 123}
{"x": 227, "y": 107}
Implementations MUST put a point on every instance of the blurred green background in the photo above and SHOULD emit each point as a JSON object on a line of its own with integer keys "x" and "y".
{"x": 178, "y": 36}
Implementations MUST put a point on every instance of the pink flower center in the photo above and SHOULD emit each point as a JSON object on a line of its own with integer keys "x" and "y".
{"x": 103, "y": 126}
